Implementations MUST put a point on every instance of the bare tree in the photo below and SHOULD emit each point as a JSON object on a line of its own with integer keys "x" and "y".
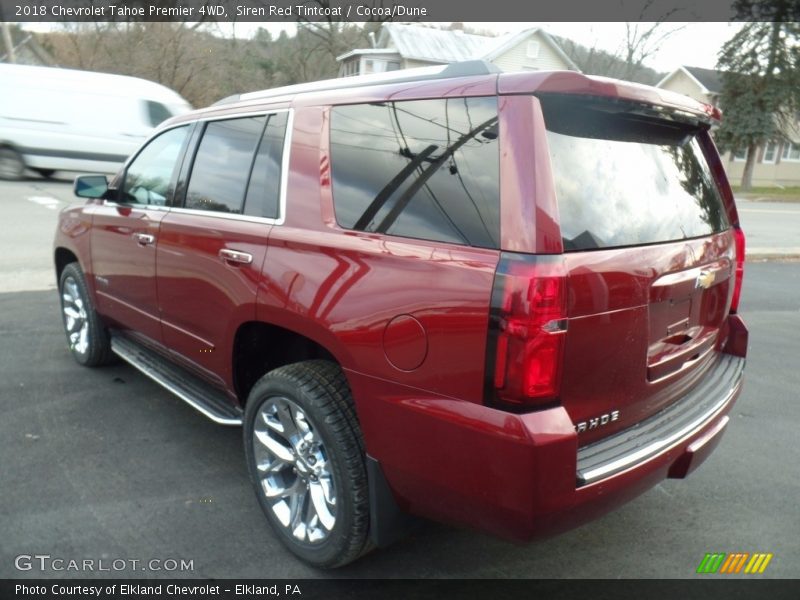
{"x": 642, "y": 41}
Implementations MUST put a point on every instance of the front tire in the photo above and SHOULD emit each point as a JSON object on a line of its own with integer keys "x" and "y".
{"x": 87, "y": 337}
{"x": 306, "y": 459}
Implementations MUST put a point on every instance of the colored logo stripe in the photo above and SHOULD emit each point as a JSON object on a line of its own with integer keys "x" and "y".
{"x": 735, "y": 562}
{"x": 711, "y": 562}
{"x": 758, "y": 564}
{"x": 720, "y": 562}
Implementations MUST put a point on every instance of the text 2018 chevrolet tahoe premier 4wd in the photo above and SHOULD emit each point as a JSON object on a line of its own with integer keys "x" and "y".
{"x": 506, "y": 300}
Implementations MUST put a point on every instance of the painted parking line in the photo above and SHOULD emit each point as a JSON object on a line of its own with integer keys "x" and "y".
{"x": 46, "y": 201}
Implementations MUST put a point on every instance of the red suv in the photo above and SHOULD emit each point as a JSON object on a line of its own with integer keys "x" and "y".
{"x": 506, "y": 300}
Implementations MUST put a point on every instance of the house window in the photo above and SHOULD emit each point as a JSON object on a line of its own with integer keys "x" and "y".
{"x": 350, "y": 68}
{"x": 770, "y": 153}
{"x": 791, "y": 152}
{"x": 740, "y": 155}
{"x": 392, "y": 65}
{"x": 532, "y": 50}
{"x": 369, "y": 66}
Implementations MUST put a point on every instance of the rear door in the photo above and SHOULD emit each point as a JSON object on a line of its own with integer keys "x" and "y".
{"x": 649, "y": 255}
{"x": 212, "y": 248}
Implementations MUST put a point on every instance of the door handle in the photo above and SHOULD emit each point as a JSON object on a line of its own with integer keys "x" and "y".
{"x": 144, "y": 239}
{"x": 235, "y": 256}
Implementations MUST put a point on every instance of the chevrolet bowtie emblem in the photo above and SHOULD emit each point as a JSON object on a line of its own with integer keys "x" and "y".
{"x": 705, "y": 280}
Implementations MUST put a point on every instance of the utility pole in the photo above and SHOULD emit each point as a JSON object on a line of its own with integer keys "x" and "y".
{"x": 10, "y": 55}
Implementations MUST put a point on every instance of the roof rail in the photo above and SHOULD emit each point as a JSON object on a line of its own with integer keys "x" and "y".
{"x": 468, "y": 68}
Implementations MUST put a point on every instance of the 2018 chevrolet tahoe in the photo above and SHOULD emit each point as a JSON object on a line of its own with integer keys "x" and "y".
{"x": 505, "y": 300}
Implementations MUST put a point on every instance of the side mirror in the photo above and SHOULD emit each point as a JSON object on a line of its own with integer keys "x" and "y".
{"x": 91, "y": 186}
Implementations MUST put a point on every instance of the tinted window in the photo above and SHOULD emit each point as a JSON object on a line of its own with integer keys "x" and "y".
{"x": 425, "y": 169}
{"x": 222, "y": 165}
{"x": 149, "y": 177}
{"x": 157, "y": 113}
{"x": 263, "y": 192}
{"x": 625, "y": 179}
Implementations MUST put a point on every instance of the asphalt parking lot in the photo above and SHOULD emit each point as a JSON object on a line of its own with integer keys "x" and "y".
{"x": 104, "y": 464}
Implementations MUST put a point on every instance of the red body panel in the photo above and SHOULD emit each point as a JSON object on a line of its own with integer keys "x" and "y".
{"x": 203, "y": 298}
{"x": 442, "y": 458}
{"x": 124, "y": 269}
{"x": 608, "y": 364}
{"x": 343, "y": 288}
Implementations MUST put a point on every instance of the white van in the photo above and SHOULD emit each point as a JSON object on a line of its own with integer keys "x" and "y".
{"x": 62, "y": 119}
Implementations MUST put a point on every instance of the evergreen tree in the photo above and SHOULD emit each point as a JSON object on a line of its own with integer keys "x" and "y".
{"x": 760, "y": 79}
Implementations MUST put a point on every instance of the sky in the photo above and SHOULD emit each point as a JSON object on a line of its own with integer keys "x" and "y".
{"x": 692, "y": 44}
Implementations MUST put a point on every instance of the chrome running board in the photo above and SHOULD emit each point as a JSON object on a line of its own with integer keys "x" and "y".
{"x": 191, "y": 389}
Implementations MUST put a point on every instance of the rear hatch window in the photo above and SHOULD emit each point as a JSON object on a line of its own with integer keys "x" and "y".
{"x": 624, "y": 177}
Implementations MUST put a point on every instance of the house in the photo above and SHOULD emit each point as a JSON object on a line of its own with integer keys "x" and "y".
{"x": 777, "y": 163}
{"x": 407, "y": 46}
{"x": 704, "y": 85}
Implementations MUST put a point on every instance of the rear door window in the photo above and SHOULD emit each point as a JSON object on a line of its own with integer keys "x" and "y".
{"x": 222, "y": 164}
{"x": 263, "y": 190}
{"x": 624, "y": 177}
{"x": 426, "y": 169}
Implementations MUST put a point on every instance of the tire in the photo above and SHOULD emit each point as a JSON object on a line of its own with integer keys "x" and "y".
{"x": 12, "y": 167}
{"x": 46, "y": 173}
{"x": 315, "y": 497}
{"x": 87, "y": 337}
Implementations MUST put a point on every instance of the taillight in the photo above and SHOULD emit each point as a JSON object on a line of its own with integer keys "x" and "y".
{"x": 738, "y": 236}
{"x": 527, "y": 331}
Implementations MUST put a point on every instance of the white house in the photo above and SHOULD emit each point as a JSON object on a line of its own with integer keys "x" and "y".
{"x": 407, "y": 46}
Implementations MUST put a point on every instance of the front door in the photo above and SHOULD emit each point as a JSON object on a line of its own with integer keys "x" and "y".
{"x": 125, "y": 234}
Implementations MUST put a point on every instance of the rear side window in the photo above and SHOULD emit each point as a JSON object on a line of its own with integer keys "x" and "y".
{"x": 426, "y": 169}
{"x": 222, "y": 164}
{"x": 624, "y": 177}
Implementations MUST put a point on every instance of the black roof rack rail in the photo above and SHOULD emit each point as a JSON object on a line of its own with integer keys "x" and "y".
{"x": 468, "y": 68}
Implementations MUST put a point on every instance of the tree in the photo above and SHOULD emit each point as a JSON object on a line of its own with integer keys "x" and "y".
{"x": 760, "y": 79}
{"x": 593, "y": 60}
{"x": 643, "y": 40}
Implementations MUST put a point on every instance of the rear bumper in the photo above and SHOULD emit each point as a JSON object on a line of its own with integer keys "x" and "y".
{"x": 523, "y": 476}
{"x": 680, "y": 421}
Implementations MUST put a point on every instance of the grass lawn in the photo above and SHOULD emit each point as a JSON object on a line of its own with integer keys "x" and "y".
{"x": 773, "y": 194}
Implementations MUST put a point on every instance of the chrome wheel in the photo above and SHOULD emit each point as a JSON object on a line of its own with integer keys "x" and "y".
{"x": 76, "y": 320}
{"x": 293, "y": 471}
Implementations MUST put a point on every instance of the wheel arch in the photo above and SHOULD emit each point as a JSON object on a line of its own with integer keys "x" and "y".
{"x": 62, "y": 257}
{"x": 259, "y": 347}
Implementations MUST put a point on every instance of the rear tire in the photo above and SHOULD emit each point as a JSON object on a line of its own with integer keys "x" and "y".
{"x": 306, "y": 459}
{"x": 12, "y": 167}
{"x": 87, "y": 337}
